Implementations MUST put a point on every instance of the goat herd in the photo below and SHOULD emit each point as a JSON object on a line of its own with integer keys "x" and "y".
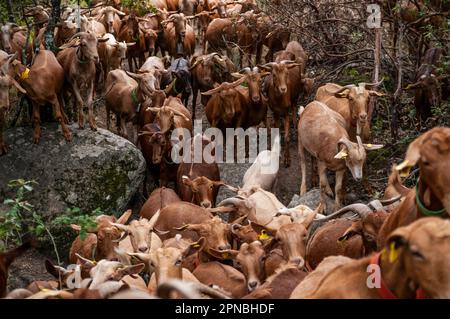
{"x": 180, "y": 247}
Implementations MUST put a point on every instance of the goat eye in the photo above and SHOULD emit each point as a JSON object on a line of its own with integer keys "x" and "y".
{"x": 178, "y": 262}
{"x": 417, "y": 254}
{"x": 425, "y": 162}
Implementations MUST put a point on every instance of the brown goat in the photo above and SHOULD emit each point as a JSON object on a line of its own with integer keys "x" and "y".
{"x": 43, "y": 82}
{"x": 225, "y": 108}
{"x": 131, "y": 33}
{"x": 6, "y": 81}
{"x": 352, "y": 103}
{"x": 283, "y": 87}
{"x": 224, "y": 276}
{"x": 6, "y": 259}
{"x": 100, "y": 242}
{"x": 431, "y": 196}
{"x": 158, "y": 199}
{"x": 78, "y": 61}
{"x": 280, "y": 285}
{"x": 178, "y": 36}
{"x": 198, "y": 183}
{"x": 206, "y": 70}
{"x": 330, "y": 143}
{"x": 400, "y": 271}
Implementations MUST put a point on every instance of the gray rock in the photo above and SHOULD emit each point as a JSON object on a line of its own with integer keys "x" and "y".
{"x": 312, "y": 200}
{"x": 95, "y": 170}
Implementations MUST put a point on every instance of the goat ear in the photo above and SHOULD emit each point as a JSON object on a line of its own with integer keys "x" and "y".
{"x": 131, "y": 270}
{"x": 412, "y": 154}
{"x": 342, "y": 95}
{"x": 223, "y": 255}
{"x": 125, "y": 216}
{"x": 194, "y": 247}
{"x": 263, "y": 232}
{"x": 353, "y": 230}
{"x": 372, "y": 147}
{"x": 342, "y": 154}
{"x": 186, "y": 180}
{"x": 398, "y": 239}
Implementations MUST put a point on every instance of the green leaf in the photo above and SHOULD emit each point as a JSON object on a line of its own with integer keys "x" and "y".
{"x": 83, "y": 234}
{"x": 8, "y": 201}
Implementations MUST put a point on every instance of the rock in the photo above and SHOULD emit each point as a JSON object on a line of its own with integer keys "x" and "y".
{"x": 312, "y": 200}
{"x": 95, "y": 170}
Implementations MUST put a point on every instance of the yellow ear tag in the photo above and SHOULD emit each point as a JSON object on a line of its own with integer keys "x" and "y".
{"x": 25, "y": 74}
{"x": 225, "y": 255}
{"x": 393, "y": 253}
{"x": 263, "y": 235}
{"x": 44, "y": 290}
{"x": 196, "y": 245}
{"x": 403, "y": 168}
{"x": 369, "y": 145}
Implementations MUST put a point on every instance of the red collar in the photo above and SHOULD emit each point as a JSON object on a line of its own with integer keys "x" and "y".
{"x": 384, "y": 291}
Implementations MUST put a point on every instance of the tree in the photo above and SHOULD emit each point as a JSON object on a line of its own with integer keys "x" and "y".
{"x": 53, "y": 20}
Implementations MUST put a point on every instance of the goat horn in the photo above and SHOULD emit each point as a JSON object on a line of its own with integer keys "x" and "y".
{"x": 371, "y": 84}
{"x": 246, "y": 70}
{"x": 361, "y": 209}
{"x": 387, "y": 202}
{"x": 347, "y": 87}
{"x": 230, "y": 201}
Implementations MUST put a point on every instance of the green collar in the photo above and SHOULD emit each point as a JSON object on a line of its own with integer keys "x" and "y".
{"x": 135, "y": 100}
{"x": 174, "y": 87}
{"x": 422, "y": 207}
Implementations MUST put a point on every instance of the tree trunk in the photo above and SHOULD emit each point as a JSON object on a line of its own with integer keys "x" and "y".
{"x": 53, "y": 20}
{"x": 10, "y": 11}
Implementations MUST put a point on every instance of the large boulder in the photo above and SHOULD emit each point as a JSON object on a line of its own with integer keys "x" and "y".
{"x": 95, "y": 170}
{"x": 312, "y": 200}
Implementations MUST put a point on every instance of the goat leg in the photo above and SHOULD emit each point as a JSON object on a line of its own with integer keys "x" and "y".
{"x": 3, "y": 145}
{"x": 79, "y": 103}
{"x": 322, "y": 168}
{"x": 287, "y": 157}
{"x": 301, "y": 154}
{"x": 90, "y": 104}
{"x": 338, "y": 188}
{"x": 61, "y": 119}
{"x": 36, "y": 123}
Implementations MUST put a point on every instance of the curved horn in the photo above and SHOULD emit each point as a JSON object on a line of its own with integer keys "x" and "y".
{"x": 230, "y": 201}
{"x": 77, "y": 35}
{"x": 344, "y": 141}
{"x": 347, "y": 87}
{"x": 361, "y": 209}
{"x": 120, "y": 226}
{"x": 390, "y": 201}
{"x": 246, "y": 70}
{"x": 360, "y": 143}
{"x": 371, "y": 84}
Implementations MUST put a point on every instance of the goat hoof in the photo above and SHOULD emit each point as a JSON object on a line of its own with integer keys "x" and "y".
{"x": 36, "y": 140}
{"x": 68, "y": 137}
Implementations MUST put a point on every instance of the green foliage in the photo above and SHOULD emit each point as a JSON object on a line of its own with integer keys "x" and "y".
{"x": 12, "y": 221}
{"x": 77, "y": 217}
{"x": 140, "y": 7}
{"x": 21, "y": 218}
